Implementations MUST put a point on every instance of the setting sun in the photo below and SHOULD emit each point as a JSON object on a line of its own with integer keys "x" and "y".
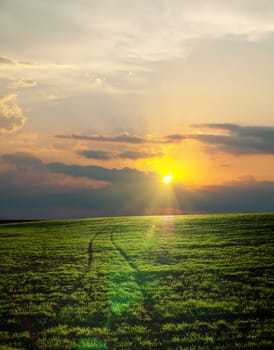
{"x": 167, "y": 179}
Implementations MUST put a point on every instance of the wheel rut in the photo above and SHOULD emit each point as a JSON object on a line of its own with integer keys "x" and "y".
{"x": 77, "y": 284}
{"x": 124, "y": 254}
{"x": 148, "y": 308}
{"x": 90, "y": 249}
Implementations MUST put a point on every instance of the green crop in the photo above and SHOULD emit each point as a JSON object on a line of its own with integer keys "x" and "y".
{"x": 167, "y": 282}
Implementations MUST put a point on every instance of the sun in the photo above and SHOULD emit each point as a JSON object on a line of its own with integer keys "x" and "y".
{"x": 167, "y": 179}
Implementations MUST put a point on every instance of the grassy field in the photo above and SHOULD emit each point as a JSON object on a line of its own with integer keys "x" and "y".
{"x": 185, "y": 282}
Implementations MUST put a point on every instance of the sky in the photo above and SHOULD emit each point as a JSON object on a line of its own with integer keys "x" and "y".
{"x": 100, "y": 99}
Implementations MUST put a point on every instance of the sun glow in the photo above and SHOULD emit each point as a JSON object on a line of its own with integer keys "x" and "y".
{"x": 167, "y": 179}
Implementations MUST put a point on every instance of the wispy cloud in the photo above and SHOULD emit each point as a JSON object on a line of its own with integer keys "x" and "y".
{"x": 12, "y": 62}
{"x": 238, "y": 140}
{"x": 175, "y": 138}
{"x": 230, "y": 138}
{"x": 18, "y": 83}
{"x": 143, "y": 31}
{"x": 125, "y": 138}
{"x": 11, "y": 115}
{"x": 6, "y": 61}
{"x": 122, "y": 138}
{"x": 132, "y": 155}
{"x": 95, "y": 154}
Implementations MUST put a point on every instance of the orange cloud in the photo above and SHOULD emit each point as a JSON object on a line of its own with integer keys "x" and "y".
{"x": 18, "y": 83}
{"x": 11, "y": 116}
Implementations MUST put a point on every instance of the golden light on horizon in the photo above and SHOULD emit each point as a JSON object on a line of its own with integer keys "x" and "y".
{"x": 167, "y": 179}
{"x": 187, "y": 164}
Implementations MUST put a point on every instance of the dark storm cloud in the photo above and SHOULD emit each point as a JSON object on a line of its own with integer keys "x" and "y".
{"x": 244, "y": 195}
{"x": 97, "y": 172}
{"x": 239, "y": 139}
{"x": 34, "y": 188}
{"x": 23, "y": 160}
{"x": 30, "y": 188}
{"x": 133, "y": 155}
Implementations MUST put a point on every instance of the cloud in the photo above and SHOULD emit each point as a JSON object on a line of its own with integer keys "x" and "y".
{"x": 25, "y": 172}
{"x": 46, "y": 193}
{"x": 237, "y": 139}
{"x": 121, "y": 30}
{"x": 18, "y": 83}
{"x": 125, "y": 138}
{"x": 99, "y": 173}
{"x": 22, "y": 160}
{"x": 139, "y": 155}
{"x": 175, "y": 138}
{"x": 11, "y": 116}
{"x": 134, "y": 38}
{"x": 12, "y": 63}
{"x": 122, "y": 138}
{"x": 230, "y": 138}
{"x": 103, "y": 155}
{"x": 42, "y": 190}
{"x": 36, "y": 188}
{"x": 6, "y": 61}
{"x": 98, "y": 155}
{"x": 242, "y": 195}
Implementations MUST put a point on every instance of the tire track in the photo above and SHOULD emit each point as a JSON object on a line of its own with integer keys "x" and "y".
{"x": 133, "y": 266}
{"x": 90, "y": 249}
{"x": 124, "y": 254}
{"x": 77, "y": 284}
{"x": 137, "y": 273}
{"x": 27, "y": 323}
{"x": 149, "y": 320}
{"x": 133, "y": 273}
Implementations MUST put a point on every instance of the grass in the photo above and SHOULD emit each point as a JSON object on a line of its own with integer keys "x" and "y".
{"x": 183, "y": 282}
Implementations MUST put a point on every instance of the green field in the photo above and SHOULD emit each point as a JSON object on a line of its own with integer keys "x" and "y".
{"x": 170, "y": 282}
